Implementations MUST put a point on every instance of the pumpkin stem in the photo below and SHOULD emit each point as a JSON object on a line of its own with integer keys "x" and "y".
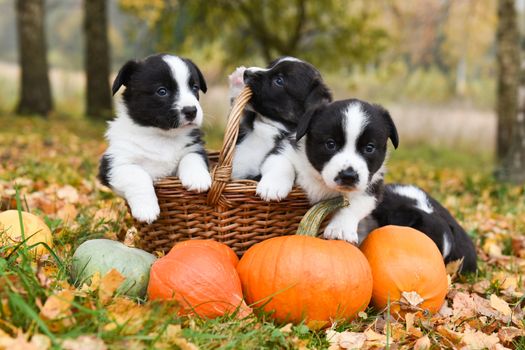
{"x": 312, "y": 220}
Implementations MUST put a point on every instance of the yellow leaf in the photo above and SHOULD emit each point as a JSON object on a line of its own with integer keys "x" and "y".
{"x": 58, "y": 305}
{"x": 109, "y": 284}
{"x": 500, "y": 305}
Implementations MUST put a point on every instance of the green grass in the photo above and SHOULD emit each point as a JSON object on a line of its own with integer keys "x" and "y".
{"x": 42, "y": 156}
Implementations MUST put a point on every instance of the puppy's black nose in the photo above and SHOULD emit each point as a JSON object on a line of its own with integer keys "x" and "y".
{"x": 189, "y": 112}
{"x": 347, "y": 177}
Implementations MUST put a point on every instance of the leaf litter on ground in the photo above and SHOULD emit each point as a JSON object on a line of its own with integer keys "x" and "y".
{"x": 40, "y": 308}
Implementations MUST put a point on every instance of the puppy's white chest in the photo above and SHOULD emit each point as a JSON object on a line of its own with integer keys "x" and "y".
{"x": 157, "y": 152}
{"x": 250, "y": 153}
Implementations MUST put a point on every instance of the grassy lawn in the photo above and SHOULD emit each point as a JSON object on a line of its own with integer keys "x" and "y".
{"x": 54, "y": 163}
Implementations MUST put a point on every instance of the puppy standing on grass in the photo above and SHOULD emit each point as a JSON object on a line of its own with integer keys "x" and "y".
{"x": 156, "y": 132}
{"x": 281, "y": 95}
{"x": 339, "y": 149}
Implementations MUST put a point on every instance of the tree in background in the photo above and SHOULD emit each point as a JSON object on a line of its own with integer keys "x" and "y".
{"x": 97, "y": 63}
{"x": 35, "y": 89}
{"x": 510, "y": 110}
{"x": 330, "y": 34}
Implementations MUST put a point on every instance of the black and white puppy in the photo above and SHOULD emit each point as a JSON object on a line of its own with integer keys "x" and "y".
{"x": 282, "y": 93}
{"x": 340, "y": 149}
{"x": 156, "y": 132}
{"x": 406, "y": 205}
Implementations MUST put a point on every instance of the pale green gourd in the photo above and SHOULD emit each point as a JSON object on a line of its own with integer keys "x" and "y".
{"x": 102, "y": 255}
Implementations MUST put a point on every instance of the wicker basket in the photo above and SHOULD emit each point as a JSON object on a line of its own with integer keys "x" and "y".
{"x": 230, "y": 212}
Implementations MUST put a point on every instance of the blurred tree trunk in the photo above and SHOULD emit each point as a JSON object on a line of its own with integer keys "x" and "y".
{"x": 511, "y": 117}
{"x": 98, "y": 96}
{"x": 35, "y": 89}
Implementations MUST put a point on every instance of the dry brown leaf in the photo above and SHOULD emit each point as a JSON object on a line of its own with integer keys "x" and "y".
{"x": 452, "y": 336}
{"x": 84, "y": 342}
{"x": 286, "y": 328}
{"x": 374, "y": 339}
{"x": 422, "y": 343}
{"x": 332, "y": 337}
{"x": 352, "y": 340}
{"x": 18, "y": 343}
{"x": 109, "y": 284}
{"x": 58, "y": 305}
{"x": 413, "y": 299}
{"x": 41, "y": 342}
{"x": 67, "y": 213}
{"x": 68, "y": 193}
{"x": 500, "y": 305}
{"x": 463, "y": 305}
{"x": 445, "y": 310}
{"x": 409, "y": 320}
{"x": 474, "y": 340}
{"x": 507, "y": 334}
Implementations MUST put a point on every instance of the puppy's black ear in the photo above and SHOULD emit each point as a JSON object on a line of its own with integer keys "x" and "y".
{"x": 304, "y": 123}
{"x": 319, "y": 94}
{"x": 391, "y": 126}
{"x": 202, "y": 82}
{"x": 124, "y": 75}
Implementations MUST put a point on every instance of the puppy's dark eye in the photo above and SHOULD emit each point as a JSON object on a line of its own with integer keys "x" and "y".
{"x": 162, "y": 91}
{"x": 330, "y": 145}
{"x": 370, "y": 148}
{"x": 279, "y": 81}
{"x": 195, "y": 88}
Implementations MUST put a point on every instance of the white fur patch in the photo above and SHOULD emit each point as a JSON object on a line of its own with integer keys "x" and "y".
{"x": 447, "y": 245}
{"x": 344, "y": 223}
{"x": 251, "y": 151}
{"x": 277, "y": 178}
{"x": 284, "y": 59}
{"x": 416, "y": 194}
{"x": 186, "y": 98}
{"x": 354, "y": 123}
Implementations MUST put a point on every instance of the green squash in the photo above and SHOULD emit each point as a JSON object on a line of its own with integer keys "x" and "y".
{"x": 102, "y": 255}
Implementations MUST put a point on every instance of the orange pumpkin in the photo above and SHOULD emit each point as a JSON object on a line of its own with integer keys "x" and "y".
{"x": 405, "y": 260}
{"x": 300, "y": 278}
{"x": 219, "y": 247}
{"x": 201, "y": 279}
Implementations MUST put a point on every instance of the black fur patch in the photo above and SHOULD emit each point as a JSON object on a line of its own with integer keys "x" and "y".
{"x": 103, "y": 170}
{"x": 302, "y": 88}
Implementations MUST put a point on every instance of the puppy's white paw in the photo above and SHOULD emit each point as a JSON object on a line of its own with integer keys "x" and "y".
{"x": 273, "y": 189}
{"x": 199, "y": 181}
{"x": 144, "y": 209}
{"x": 341, "y": 229}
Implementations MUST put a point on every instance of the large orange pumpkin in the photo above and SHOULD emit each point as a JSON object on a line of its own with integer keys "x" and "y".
{"x": 201, "y": 279}
{"x": 405, "y": 260}
{"x": 298, "y": 278}
{"x": 219, "y": 247}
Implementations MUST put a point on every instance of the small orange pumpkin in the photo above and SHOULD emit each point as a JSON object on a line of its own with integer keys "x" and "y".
{"x": 405, "y": 260}
{"x": 219, "y": 247}
{"x": 306, "y": 278}
{"x": 201, "y": 279}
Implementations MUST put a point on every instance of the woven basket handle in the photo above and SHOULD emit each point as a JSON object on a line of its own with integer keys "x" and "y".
{"x": 221, "y": 173}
